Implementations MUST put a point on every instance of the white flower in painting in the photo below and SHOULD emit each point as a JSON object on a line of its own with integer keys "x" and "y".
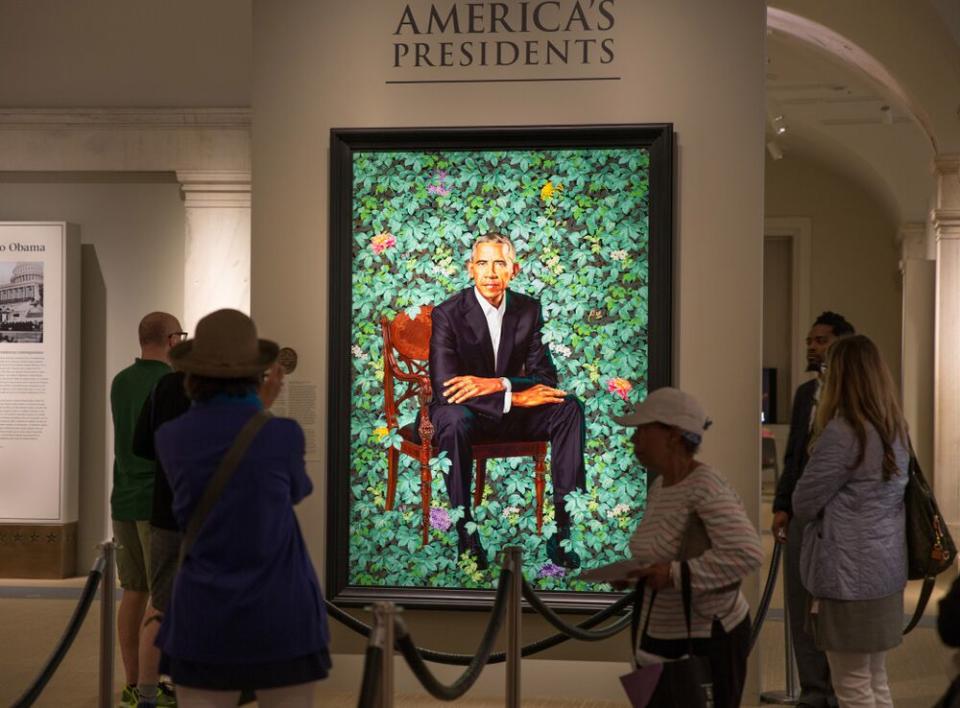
{"x": 618, "y": 510}
{"x": 560, "y": 349}
{"x": 509, "y": 511}
{"x": 358, "y": 353}
{"x": 619, "y": 255}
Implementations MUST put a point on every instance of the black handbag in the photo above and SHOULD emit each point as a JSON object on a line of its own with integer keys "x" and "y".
{"x": 930, "y": 549}
{"x": 684, "y": 682}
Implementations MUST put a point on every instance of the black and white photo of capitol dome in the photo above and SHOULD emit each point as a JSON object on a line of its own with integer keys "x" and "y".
{"x": 21, "y": 302}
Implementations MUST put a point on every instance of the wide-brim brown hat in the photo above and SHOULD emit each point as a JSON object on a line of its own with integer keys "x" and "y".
{"x": 226, "y": 347}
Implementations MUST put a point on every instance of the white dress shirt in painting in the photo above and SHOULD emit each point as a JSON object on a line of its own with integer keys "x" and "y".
{"x": 494, "y": 317}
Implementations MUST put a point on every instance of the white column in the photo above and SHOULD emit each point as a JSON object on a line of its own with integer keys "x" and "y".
{"x": 946, "y": 222}
{"x": 217, "y": 249}
{"x": 919, "y": 275}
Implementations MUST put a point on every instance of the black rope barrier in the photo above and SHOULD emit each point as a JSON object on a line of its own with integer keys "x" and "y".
{"x": 470, "y": 675}
{"x": 584, "y": 635}
{"x": 370, "y": 683}
{"x": 553, "y": 640}
{"x": 767, "y": 595}
{"x": 66, "y": 641}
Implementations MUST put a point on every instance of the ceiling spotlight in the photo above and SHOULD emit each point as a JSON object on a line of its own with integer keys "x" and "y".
{"x": 779, "y": 124}
{"x": 775, "y": 152}
{"x": 886, "y": 114}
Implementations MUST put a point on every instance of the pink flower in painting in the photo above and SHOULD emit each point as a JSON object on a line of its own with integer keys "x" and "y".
{"x": 381, "y": 242}
{"x": 620, "y": 387}
{"x": 440, "y": 187}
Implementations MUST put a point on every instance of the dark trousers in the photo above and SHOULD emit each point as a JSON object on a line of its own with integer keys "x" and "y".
{"x": 456, "y": 428}
{"x": 727, "y": 652}
{"x": 812, "y": 667}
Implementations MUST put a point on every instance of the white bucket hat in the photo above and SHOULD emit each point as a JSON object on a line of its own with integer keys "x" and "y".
{"x": 669, "y": 406}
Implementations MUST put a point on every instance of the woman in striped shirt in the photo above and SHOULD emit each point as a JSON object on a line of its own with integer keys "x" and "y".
{"x": 688, "y": 498}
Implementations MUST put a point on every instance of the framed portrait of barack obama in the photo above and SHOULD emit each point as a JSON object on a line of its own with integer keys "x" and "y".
{"x": 496, "y": 295}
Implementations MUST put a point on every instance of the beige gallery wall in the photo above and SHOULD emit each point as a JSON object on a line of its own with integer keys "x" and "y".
{"x": 853, "y": 253}
{"x": 113, "y": 53}
{"x": 697, "y": 63}
{"x": 131, "y": 263}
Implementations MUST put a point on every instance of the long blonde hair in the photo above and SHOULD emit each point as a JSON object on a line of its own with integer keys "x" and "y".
{"x": 858, "y": 387}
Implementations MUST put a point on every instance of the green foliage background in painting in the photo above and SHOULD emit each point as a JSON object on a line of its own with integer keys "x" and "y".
{"x": 578, "y": 219}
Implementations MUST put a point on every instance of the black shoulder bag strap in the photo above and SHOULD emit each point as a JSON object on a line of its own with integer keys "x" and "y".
{"x": 930, "y": 579}
{"x": 636, "y": 637}
{"x": 687, "y": 594}
{"x": 228, "y": 465}
{"x": 687, "y": 591}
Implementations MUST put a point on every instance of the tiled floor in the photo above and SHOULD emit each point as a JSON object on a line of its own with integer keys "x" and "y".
{"x": 31, "y": 626}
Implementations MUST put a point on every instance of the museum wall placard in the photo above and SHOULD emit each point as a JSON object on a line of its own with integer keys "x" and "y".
{"x": 39, "y": 398}
{"x": 697, "y": 65}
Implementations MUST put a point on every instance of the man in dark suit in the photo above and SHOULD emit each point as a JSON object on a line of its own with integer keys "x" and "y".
{"x": 493, "y": 377}
{"x": 815, "y": 687}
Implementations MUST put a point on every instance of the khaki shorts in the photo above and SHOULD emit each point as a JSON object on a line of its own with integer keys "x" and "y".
{"x": 164, "y": 562}
{"x": 133, "y": 554}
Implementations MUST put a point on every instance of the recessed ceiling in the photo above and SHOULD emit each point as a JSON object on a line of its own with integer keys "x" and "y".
{"x": 836, "y": 114}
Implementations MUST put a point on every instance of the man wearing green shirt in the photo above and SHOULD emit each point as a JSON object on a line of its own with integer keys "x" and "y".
{"x": 132, "y": 496}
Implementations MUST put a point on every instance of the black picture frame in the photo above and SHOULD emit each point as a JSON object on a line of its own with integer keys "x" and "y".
{"x": 658, "y": 139}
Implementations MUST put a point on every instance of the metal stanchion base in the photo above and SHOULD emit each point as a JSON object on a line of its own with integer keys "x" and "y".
{"x": 779, "y": 698}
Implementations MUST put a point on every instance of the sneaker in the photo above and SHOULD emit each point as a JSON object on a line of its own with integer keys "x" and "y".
{"x": 129, "y": 697}
{"x": 166, "y": 697}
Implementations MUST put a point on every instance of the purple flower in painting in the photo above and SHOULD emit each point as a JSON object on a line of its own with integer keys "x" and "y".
{"x": 440, "y": 519}
{"x": 551, "y": 570}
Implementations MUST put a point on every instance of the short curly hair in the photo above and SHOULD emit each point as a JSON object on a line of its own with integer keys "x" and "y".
{"x": 835, "y": 321}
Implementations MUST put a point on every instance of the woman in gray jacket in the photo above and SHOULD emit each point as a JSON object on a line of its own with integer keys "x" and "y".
{"x": 854, "y": 556}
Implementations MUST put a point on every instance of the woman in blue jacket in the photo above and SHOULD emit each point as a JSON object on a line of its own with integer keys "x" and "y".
{"x": 246, "y": 611}
{"x": 854, "y": 555}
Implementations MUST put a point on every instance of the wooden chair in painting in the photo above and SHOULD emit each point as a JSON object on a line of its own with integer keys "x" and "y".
{"x": 406, "y": 353}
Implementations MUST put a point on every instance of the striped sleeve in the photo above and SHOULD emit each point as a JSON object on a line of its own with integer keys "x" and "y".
{"x": 735, "y": 550}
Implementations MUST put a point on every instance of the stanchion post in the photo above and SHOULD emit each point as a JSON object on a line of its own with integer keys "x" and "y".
{"x": 513, "y": 556}
{"x": 107, "y": 622}
{"x": 791, "y": 657}
{"x": 384, "y": 614}
{"x": 790, "y": 696}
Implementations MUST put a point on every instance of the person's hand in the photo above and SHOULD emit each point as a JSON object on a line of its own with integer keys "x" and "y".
{"x": 778, "y": 528}
{"x": 657, "y": 575}
{"x": 463, "y": 388}
{"x": 537, "y": 395}
{"x": 270, "y": 386}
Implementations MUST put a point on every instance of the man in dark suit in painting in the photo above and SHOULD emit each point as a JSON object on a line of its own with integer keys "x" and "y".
{"x": 816, "y": 690}
{"x": 493, "y": 377}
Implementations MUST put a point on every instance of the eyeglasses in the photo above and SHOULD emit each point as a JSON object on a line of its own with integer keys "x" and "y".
{"x": 179, "y": 336}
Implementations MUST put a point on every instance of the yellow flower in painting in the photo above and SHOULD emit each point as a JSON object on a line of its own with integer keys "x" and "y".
{"x": 548, "y": 191}
{"x": 381, "y": 433}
